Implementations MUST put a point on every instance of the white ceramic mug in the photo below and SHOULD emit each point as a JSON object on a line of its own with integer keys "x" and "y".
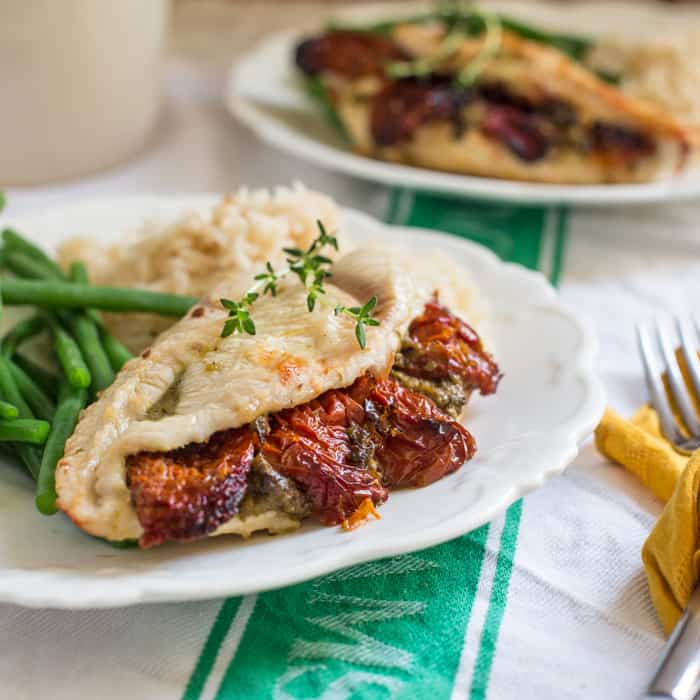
{"x": 79, "y": 84}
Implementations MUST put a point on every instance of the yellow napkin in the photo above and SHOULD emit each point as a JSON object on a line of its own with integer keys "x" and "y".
{"x": 671, "y": 554}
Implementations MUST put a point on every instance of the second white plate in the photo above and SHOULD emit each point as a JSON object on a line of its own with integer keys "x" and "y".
{"x": 264, "y": 92}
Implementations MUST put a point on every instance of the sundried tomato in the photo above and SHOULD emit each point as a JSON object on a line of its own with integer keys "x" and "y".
{"x": 347, "y": 53}
{"x": 404, "y": 105}
{"x": 423, "y": 444}
{"x": 621, "y": 141}
{"x": 187, "y": 493}
{"x": 518, "y": 131}
{"x": 444, "y": 346}
{"x": 310, "y": 444}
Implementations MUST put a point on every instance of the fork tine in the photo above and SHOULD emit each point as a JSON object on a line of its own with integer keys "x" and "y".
{"x": 689, "y": 348}
{"x": 676, "y": 382}
{"x": 657, "y": 393}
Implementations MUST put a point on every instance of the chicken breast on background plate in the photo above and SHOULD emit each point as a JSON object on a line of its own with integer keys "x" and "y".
{"x": 529, "y": 113}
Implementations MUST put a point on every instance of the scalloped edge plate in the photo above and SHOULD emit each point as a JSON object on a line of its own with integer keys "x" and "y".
{"x": 549, "y": 400}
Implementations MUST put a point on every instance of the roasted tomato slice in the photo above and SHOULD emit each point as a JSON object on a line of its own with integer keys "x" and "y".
{"x": 442, "y": 345}
{"x": 619, "y": 141}
{"x": 347, "y": 53}
{"x": 518, "y": 131}
{"x": 421, "y": 443}
{"x": 187, "y": 493}
{"x": 310, "y": 444}
{"x": 404, "y": 105}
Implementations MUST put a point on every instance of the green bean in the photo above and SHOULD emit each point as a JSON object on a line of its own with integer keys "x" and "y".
{"x": 71, "y": 402}
{"x": 15, "y": 242}
{"x": 31, "y": 458}
{"x": 47, "y": 381}
{"x": 78, "y": 272}
{"x": 9, "y": 390}
{"x": 24, "y": 430}
{"x": 69, "y": 357}
{"x": 118, "y": 354}
{"x": 85, "y": 332}
{"x": 24, "y": 266}
{"x": 82, "y": 327}
{"x": 8, "y": 411}
{"x": 28, "y": 268}
{"x": 41, "y": 405}
{"x": 317, "y": 90}
{"x": 29, "y": 454}
{"x": 22, "y": 331}
{"x": 122, "y": 544}
{"x": 66, "y": 295}
{"x": 575, "y": 46}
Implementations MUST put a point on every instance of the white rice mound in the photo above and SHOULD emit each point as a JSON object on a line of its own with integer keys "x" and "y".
{"x": 196, "y": 251}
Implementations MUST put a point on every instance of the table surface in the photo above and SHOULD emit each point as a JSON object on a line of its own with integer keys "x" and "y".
{"x": 578, "y": 622}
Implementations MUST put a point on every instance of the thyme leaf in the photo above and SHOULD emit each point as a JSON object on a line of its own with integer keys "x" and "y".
{"x": 362, "y": 315}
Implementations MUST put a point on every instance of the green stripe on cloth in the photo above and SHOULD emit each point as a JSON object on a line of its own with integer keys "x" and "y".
{"x": 560, "y": 246}
{"x": 497, "y": 603}
{"x": 378, "y": 629}
{"x": 392, "y": 628}
{"x": 219, "y": 629}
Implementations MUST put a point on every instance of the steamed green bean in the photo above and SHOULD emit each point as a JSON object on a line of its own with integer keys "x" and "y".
{"x": 39, "y": 402}
{"x": 22, "y": 331}
{"x": 71, "y": 402}
{"x": 46, "y": 380}
{"x": 8, "y": 411}
{"x": 24, "y": 430}
{"x": 67, "y": 295}
{"x": 15, "y": 242}
{"x": 70, "y": 357}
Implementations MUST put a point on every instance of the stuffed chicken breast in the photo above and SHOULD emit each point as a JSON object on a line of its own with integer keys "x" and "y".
{"x": 204, "y": 434}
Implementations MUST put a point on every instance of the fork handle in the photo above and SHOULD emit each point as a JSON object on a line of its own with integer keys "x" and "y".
{"x": 678, "y": 675}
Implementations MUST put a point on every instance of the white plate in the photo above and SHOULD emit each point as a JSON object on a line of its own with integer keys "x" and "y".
{"x": 548, "y": 401}
{"x": 264, "y": 92}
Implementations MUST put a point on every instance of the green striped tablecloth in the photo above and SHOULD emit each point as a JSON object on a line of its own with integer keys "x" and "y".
{"x": 396, "y": 628}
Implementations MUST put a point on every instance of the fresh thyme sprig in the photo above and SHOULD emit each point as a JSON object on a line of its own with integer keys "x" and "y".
{"x": 489, "y": 48}
{"x": 270, "y": 279}
{"x": 362, "y": 315}
{"x": 312, "y": 269}
{"x": 239, "y": 319}
{"x": 423, "y": 66}
{"x": 310, "y": 266}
